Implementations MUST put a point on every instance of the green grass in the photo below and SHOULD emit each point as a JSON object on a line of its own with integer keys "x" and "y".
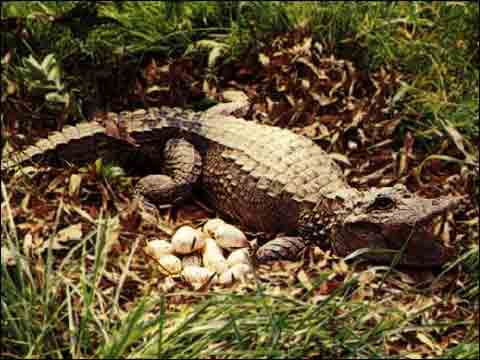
{"x": 76, "y": 318}
{"x": 55, "y": 304}
{"x": 434, "y": 45}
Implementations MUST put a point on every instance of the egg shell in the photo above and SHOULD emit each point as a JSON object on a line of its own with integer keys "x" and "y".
{"x": 187, "y": 240}
{"x": 157, "y": 248}
{"x": 211, "y": 225}
{"x": 192, "y": 259}
{"x": 213, "y": 258}
{"x": 239, "y": 256}
{"x": 229, "y": 237}
{"x": 236, "y": 272}
{"x": 197, "y": 276}
{"x": 169, "y": 264}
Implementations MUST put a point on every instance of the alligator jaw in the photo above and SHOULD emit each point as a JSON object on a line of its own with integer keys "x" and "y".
{"x": 406, "y": 228}
{"x": 429, "y": 208}
{"x": 424, "y": 248}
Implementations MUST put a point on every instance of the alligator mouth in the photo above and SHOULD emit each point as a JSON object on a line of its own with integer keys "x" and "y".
{"x": 415, "y": 246}
{"x": 421, "y": 244}
{"x": 437, "y": 207}
{"x": 401, "y": 241}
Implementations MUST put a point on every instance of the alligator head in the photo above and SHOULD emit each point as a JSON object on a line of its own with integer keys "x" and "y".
{"x": 390, "y": 221}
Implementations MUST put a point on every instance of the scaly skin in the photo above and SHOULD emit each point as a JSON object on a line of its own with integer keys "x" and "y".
{"x": 269, "y": 179}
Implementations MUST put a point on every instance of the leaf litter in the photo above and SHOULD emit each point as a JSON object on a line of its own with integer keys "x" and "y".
{"x": 349, "y": 112}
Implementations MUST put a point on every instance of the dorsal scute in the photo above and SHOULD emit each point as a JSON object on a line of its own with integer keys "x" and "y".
{"x": 285, "y": 162}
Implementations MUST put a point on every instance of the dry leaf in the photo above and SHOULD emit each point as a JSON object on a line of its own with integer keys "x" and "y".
{"x": 112, "y": 233}
{"x": 304, "y": 280}
{"x": 340, "y": 157}
{"x": 28, "y": 244}
{"x": 424, "y": 338}
{"x": 82, "y": 213}
{"x": 168, "y": 284}
{"x": 366, "y": 277}
{"x": 74, "y": 184}
{"x": 322, "y": 99}
{"x": 7, "y": 257}
{"x": 232, "y": 95}
{"x": 72, "y": 232}
{"x": 318, "y": 72}
{"x": 263, "y": 59}
{"x": 56, "y": 184}
{"x": 303, "y": 48}
{"x": 341, "y": 267}
{"x": 459, "y": 140}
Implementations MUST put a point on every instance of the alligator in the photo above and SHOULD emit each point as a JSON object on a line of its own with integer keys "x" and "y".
{"x": 266, "y": 178}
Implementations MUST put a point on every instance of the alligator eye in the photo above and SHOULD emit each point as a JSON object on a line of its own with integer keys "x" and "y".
{"x": 382, "y": 203}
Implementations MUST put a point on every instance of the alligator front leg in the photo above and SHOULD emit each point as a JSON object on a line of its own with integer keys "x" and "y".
{"x": 182, "y": 166}
{"x": 281, "y": 248}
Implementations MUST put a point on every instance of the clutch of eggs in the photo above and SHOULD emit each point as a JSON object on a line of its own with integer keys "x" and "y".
{"x": 216, "y": 254}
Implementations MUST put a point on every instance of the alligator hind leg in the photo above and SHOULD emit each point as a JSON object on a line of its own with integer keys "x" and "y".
{"x": 281, "y": 248}
{"x": 182, "y": 165}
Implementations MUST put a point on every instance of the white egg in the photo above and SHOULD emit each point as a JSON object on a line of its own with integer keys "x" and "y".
{"x": 187, "y": 240}
{"x": 229, "y": 237}
{"x": 197, "y": 276}
{"x": 169, "y": 264}
{"x": 211, "y": 225}
{"x": 157, "y": 248}
{"x": 236, "y": 272}
{"x": 213, "y": 258}
{"x": 192, "y": 259}
{"x": 239, "y": 256}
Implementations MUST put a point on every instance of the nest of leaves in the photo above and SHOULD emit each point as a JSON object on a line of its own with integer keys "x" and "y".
{"x": 290, "y": 82}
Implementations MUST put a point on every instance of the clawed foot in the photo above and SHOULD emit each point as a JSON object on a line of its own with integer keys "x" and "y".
{"x": 281, "y": 248}
{"x": 159, "y": 189}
